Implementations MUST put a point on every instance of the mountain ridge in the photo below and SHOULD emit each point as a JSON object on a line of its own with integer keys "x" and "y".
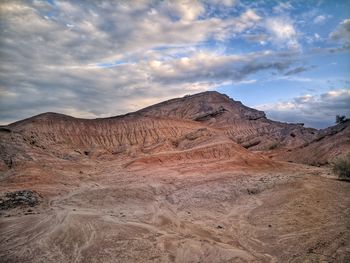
{"x": 167, "y": 128}
{"x": 143, "y": 111}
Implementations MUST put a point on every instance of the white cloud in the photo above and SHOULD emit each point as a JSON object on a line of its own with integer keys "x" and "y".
{"x": 320, "y": 19}
{"x": 69, "y": 33}
{"x": 282, "y": 7}
{"x": 248, "y": 81}
{"x": 282, "y": 32}
{"x": 102, "y": 31}
{"x": 188, "y": 10}
{"x": 211, "y": 67}
{"x": 314, "y": 110}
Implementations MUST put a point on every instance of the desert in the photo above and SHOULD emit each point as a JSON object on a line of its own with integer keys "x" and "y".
{"x": 174, "y": 131}
{"x": 169, "y": 187}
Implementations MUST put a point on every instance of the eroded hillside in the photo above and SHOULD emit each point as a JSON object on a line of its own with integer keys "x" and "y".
{"x": 201, "y": 178}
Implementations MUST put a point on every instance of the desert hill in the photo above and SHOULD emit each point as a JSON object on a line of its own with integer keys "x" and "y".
{"x": 244, "y": 125}
{"x": 201, "y": 178}
{"x": 207, "y": 124}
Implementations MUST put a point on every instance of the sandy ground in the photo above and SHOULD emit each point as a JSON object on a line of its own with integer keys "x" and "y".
{"x": 177, "y": 214}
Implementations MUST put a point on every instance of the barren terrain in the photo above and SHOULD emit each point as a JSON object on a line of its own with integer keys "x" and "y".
{"x": 172, "y": 183}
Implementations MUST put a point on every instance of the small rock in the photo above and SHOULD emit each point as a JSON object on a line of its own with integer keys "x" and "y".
{"x": 219, "y": 227}
{"x": 252, "y": 191}
{"x": 270, "y": 226}
{"x": 19, "y": 199}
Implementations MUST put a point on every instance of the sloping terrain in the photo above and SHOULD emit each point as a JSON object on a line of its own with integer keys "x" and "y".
{"x": 175, "y": 182}
{"x": 176, "y": 125}
{"x": 246, "y": 126}
{"x": 200, "y": 120}
{"x": 330, "y": 144}
{"x": 131, "y": 135}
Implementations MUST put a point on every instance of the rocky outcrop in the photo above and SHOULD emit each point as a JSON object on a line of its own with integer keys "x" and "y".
{"x": 210, "y": 114}
{"x": 329, "y": 144}
{"x": 211, "y": 105}
{"x": 23, "y": 198}
{"x": 242, "y": 124}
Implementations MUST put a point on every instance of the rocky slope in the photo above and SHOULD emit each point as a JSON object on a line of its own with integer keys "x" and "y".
{"x": 207, "y": 125}
{"x": 70, "y": 138}
{"x": 330, "y": 143}
{"x": 244, "y": 125}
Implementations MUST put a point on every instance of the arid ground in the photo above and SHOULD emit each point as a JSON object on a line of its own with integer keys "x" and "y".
{"x": 171, "y": 191}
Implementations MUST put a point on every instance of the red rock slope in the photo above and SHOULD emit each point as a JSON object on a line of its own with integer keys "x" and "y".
{"x": 204, "y": 126}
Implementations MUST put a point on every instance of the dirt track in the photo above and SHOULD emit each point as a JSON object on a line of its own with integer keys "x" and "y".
{"x": 177, "y": 215}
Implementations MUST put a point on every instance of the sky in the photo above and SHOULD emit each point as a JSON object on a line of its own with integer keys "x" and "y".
{"x": 94, "y": 59}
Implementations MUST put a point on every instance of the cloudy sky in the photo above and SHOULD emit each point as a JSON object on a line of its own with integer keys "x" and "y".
{"x": 102, "y": 58}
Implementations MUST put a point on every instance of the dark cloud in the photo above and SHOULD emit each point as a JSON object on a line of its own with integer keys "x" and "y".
{"x": 298, "y": 70}
{"x": 256, "y": 37}
{"x": 218, "y": 68}
{"x": 342, "y": 32}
